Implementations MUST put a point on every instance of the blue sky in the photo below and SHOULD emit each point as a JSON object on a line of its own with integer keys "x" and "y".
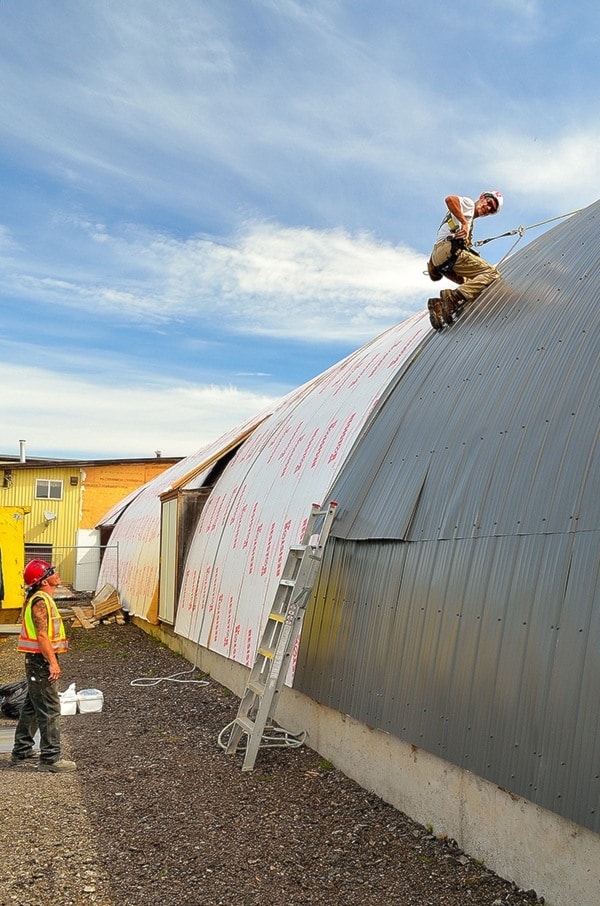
{"x": 205, "y": 203}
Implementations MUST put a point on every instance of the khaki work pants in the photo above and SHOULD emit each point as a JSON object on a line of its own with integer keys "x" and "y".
{"x": 476, "y": 273}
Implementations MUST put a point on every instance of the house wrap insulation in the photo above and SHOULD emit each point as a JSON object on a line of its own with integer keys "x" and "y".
{"x": 258, "y": 506}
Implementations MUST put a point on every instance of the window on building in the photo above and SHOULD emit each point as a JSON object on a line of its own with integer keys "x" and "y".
{"x": 45, "y": 489}
{"x": 38, "y": 552}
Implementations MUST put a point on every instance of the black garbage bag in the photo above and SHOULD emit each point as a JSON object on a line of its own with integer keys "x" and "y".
{"x": 12, "y": 698}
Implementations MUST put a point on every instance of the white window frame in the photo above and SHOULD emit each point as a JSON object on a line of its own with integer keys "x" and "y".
{"x": 49, "y": 484}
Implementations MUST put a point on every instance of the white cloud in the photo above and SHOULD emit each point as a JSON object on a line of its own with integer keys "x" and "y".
{"x": 315, "y": 284}
{"x": 562, "y": 169}
{"x": 54, "y": 412}
{"x": 114, "y": 109}
{"x": 268, "y": 280}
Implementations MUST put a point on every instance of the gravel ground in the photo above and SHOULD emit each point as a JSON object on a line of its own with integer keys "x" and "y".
{"x": 158, "y": 815}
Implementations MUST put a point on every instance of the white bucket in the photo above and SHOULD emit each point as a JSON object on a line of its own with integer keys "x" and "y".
{"x": 68, "y": 700}
{"x": 90, "y": 700}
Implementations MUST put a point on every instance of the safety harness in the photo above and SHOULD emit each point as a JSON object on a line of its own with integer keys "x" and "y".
{"x": 458, "y": 245}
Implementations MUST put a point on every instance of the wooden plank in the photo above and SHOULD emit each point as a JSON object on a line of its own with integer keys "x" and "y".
{"x": 106, "y": 601}
{"x": 107, "y": 591}
{"x": 111, "y": 605}
{"x": 83, "y": 620}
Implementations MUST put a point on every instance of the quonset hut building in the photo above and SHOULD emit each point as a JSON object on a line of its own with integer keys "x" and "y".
{"x": 449, "y": 659}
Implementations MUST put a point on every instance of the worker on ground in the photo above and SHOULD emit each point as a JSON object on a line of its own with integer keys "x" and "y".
{"x": 42, "y": 639}
{"x": 453, "y": 257}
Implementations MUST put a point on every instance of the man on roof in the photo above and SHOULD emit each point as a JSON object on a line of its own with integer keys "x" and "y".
{"x": 453, "y": 257}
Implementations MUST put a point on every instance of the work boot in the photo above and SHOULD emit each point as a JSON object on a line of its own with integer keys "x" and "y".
{"x": 23, "y": 759}
{"x": 62, "y": 766}
{"x": 451, "y": 300}
{"x": 435, "y": 314}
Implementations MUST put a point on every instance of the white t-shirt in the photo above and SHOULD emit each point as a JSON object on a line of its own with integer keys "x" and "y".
{"x": 449, "y": 224}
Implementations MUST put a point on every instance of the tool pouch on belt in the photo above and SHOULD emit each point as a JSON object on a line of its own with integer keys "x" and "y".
{"x": 434, "y": 273}
{"x": 456, "y": 246}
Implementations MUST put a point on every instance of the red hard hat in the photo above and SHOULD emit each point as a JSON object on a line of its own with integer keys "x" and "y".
{"x": 36, "y": 571}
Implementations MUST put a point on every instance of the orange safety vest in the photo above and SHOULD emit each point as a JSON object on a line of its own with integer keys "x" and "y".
{"x": 28, "y": 640}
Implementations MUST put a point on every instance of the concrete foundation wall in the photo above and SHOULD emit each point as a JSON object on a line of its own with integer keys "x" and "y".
{"x": 515, "y": 838}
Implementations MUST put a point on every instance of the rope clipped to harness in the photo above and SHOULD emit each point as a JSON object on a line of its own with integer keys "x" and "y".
{"x": 520, "y": 232}
{"x": 446, "y": 268}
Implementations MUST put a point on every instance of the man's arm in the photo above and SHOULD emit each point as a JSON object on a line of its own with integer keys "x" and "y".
{"x": 453, "y": 205}
{"x": 39, "y": 615}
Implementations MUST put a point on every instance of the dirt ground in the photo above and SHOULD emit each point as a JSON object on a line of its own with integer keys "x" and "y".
{"x": 158, "y": 815}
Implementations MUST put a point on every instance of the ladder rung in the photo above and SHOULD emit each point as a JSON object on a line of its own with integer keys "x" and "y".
{"x": 245, "y": 724}
{"x": 280, "y": 636}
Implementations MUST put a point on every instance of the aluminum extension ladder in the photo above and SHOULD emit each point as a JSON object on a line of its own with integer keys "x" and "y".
{"x": 259, "y": 701}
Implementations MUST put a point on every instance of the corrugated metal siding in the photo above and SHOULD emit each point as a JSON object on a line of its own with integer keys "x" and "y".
{"x": 477, "y": 636}
{"x": 59, "y": 533}
{"x": 499, "y": 413}
{"x": 492, "y": 669}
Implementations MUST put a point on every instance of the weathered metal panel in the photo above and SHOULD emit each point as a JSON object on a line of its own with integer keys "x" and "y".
{"x": 499, "y": 414}
{"x": 459, "y": 603}
{"x": 482, "y": 651}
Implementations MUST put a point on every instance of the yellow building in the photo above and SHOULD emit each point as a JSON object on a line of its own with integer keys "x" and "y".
{"x": 62, "y": 501}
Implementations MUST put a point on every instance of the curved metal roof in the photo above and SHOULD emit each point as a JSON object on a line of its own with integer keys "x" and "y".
{"x": 493, "y": 428}
{"x": 459, "y": 608}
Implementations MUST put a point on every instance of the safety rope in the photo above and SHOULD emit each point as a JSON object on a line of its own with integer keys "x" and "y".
{"x": 173, "y": 678}
{"x": 520, "y": 232}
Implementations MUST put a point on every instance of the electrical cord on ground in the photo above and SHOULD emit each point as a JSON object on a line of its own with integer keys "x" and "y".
{"x": 155, "y": 680}
{"x": 280, "y": 739}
